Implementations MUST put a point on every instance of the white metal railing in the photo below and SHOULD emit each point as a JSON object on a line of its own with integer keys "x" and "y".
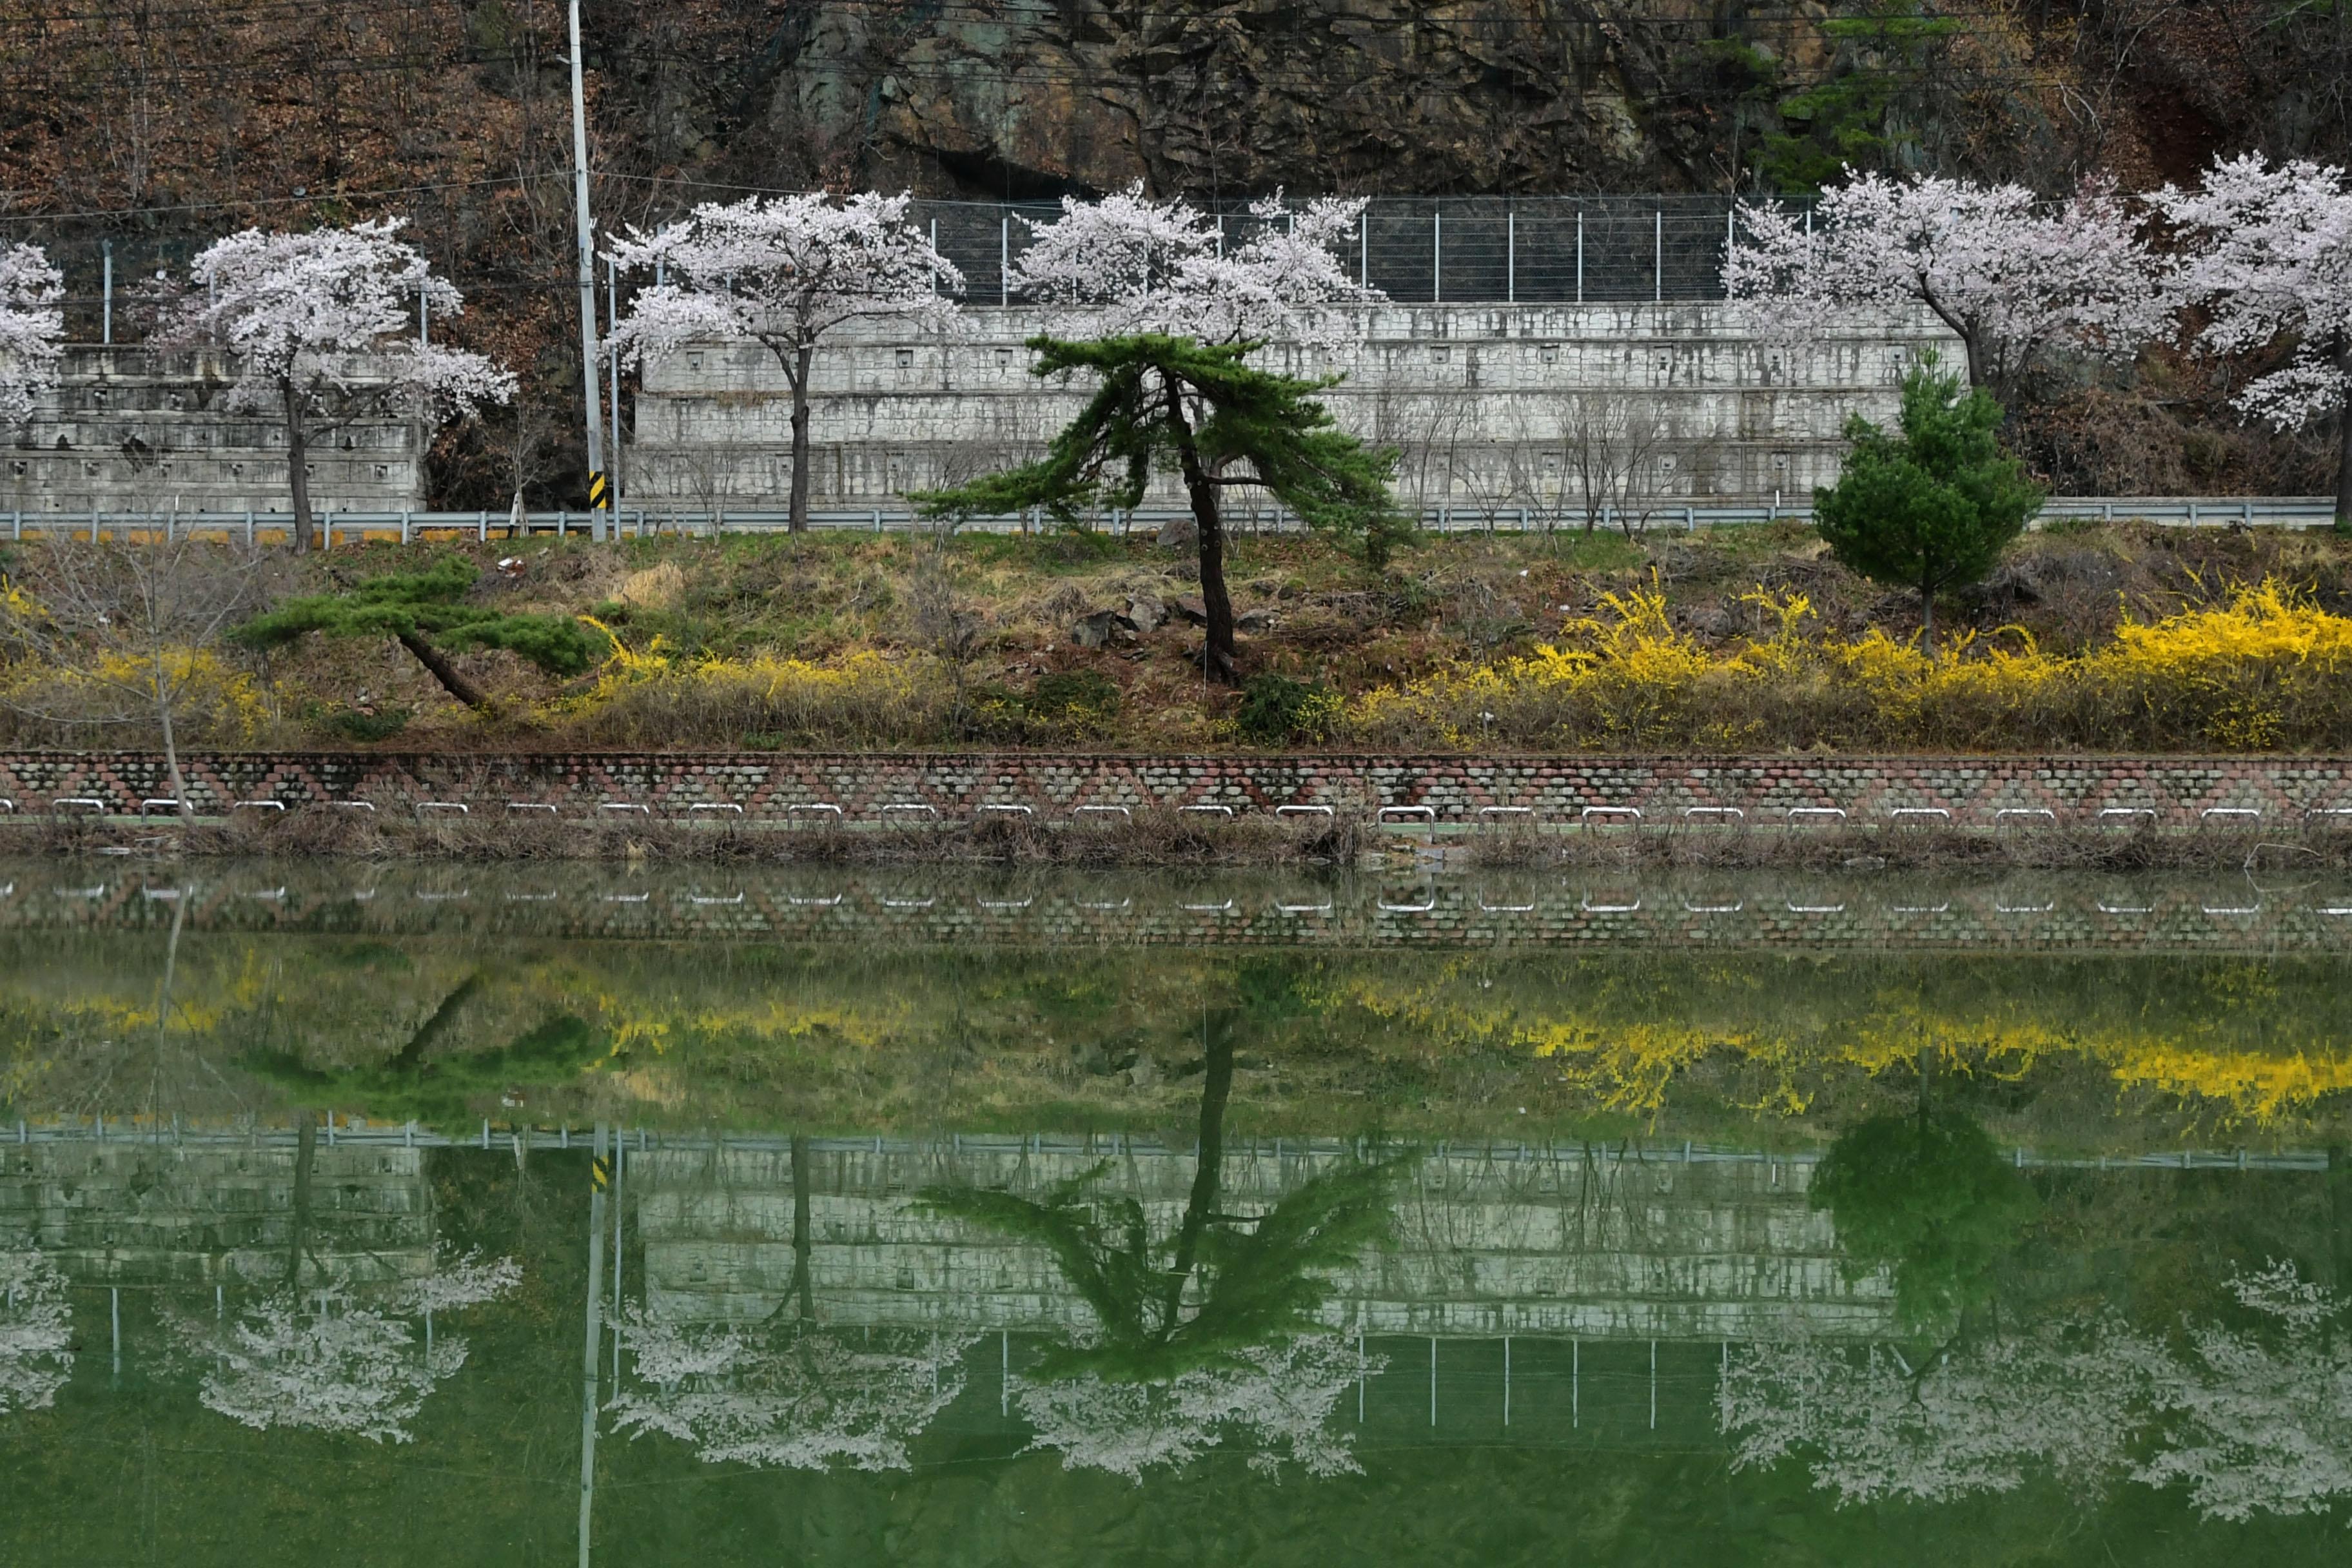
{"x": 642, "y": 521}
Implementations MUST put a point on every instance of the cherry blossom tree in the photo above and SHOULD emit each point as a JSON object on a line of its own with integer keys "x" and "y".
{"x": 2270, "y": 256}
{"x": 1131, "y": 264}
{"x": 32, "y": 325}
{"x": 788, "y": 1396}
{"x": 2262, "y": 1424}
{"x": 1971, "y": 1419}
{"x": 1275, "y": 1399}
{"x": 785, "y": 271}
{"x": 2011, "y": 278}
{"x": 321, "y": 329}
{"x": 36, "y": 1331}
{"x": 325, "y": 1360}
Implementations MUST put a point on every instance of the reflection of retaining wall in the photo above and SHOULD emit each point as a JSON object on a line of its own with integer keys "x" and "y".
{"x": 2017, "y": 792}
{"x": 137, "y": 1211}
{"x": 1588, "y": 1242}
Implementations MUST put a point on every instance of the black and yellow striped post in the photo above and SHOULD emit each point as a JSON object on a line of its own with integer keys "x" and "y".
{"x": 600, "y": 1171}
{"x": 600, "y": 491}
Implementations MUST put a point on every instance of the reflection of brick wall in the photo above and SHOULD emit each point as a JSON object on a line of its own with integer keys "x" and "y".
{"x": 1925, "y": 790}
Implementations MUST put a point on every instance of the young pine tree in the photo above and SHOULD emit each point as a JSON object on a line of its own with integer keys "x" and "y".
{"x": 1933, "y": 508}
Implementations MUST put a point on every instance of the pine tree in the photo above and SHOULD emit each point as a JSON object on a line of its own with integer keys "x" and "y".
{"x": 427, "y": 612}
{"x": 1934, "y": 508}
{"x": 1221, "y": 422}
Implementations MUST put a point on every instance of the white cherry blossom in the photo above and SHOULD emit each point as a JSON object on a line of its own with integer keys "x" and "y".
{"x": 32, "y": 326}
{"x": 1277, "y": 1402}
{"x": 322, "y": 326}
{"x": 2270, "y": 256}
{"x": 36, "y": 1331}
{"x": 784, "y": 271}
{"x": 2010, "y": 275}
{"x": 789, "y": 1397}
{"x": 1129, "y": 264}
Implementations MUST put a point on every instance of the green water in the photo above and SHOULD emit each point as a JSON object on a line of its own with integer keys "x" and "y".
{"x": 1030, "y": 1219}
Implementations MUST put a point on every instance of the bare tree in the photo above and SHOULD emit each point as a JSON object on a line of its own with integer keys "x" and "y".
{"x": 122, "y": 631}
{"x": 1616, "y": 448}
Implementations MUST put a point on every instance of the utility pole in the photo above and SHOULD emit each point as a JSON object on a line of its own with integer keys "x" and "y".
{"x": 600, "y": 494}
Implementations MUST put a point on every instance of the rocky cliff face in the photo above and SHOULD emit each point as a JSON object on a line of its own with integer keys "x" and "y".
{"x": 1350, "y": 95}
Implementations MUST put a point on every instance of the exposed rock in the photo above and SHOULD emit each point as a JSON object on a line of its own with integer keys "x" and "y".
{"x": 1179, "y": 533}
{"x": 1256, "y": 620}
{"x": 1189, "y": 608}
{"x": 1147, "y": 613}
{"x": 1103, "y": 628}
{"x": 1145, "y": 1073}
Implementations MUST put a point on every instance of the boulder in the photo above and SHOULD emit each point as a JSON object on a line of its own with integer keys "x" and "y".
{"x": 1103, "y": 628}
{"x": 1146, "y": 613}
{"x": 1189, "y": 608}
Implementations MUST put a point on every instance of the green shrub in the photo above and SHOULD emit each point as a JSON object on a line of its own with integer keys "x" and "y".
{"x": 1074, "y": 697}
{"x": 356, "y": 725}
{"x": 1276, "y": 709}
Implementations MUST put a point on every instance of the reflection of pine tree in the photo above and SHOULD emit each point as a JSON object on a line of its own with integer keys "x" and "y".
{"x": 36, "y": 1331}
{"x": 322, "y": 1361}
{"x": 1213, "y": 1327}
{"x": 787, "y": 1394}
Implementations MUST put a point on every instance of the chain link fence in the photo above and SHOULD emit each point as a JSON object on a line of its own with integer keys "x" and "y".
{"x": 1415, "y": 249}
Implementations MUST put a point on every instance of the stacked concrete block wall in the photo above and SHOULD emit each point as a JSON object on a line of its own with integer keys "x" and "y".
{"x": 1592, "y": 1243}
{"x": 127, "y": 430}
{"x": 1490, "y": 405}
{"x": 140, "y": 1210}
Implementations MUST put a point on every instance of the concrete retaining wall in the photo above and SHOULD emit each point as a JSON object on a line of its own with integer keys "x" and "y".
{"x": 1491, "y": 405}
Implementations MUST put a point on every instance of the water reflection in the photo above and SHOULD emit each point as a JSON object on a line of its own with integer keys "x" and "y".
{"x": 36, "y": 1331}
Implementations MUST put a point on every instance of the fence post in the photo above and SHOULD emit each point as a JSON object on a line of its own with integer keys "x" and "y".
{"x": 1580, "y": 256}
{"x": 1364, "y": 248}
{"x": 93, "y": 522}
{"x": 404, "y": 528}
{"x": 16, "y": 527}
{"x": 423, "y": 318}
{"x": 1657, "y": 256}
{"x": 106, "y": 309}
{"x": 1436, "y": 257}
{"x": 1004, "y": 259}
{"x": 482, "y": 527}
{"x": 248, "y": 528}
{"x": 1511, "y": 256}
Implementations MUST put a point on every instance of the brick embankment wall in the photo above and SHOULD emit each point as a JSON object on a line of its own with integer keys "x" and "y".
{"x": 878, "y": 787}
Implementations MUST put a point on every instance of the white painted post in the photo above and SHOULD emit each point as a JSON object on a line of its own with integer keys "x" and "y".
{"x": 1657, "y": 255}
{"x": 1511, "y": 256}
{"x": 1364, "y": 249}
{"x": 1507, "y": 1380}
{"x": 105, "y": 310}
{"x": 1433, "y": 1380}
{"x": 1436, "y": 257}
{"x": 1359, "y": 1376}
{"x": 1004, "y": 260}
{"x": 1580, "y": 256}
{"x": 1005, "y": 1372}
{"x": 423, "y": 318}
{"x": 1653, "y": 1385}
{"x": 114, "y": 1313}
{"x": 1575, "y": 1380}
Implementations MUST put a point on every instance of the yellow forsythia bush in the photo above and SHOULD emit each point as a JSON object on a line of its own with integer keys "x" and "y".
{"x": 647, "y": 698}
{"x": 2267, "y": 670}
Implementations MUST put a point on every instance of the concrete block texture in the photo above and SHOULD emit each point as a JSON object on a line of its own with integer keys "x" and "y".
{"x": 1490, "y": 407}
{"x": 129, "y": 431}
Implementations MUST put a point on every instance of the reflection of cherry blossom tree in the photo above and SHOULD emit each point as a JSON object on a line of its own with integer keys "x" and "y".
{"x": 1278, "y": 1399}
{"x": 325, "y": 1361}
{"x": 2262, "y": 1427}
{"x": 36, "y": 1331}
{"x": 790, "y": 1396}
{"x": 1967, "y": 1420}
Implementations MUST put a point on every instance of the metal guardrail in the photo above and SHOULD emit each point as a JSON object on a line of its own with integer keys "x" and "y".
{"x": 645, "y": 520}
{"x": 504, "y": 1137}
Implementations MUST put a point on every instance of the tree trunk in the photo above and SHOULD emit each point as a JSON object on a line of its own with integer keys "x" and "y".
{"x": 2344, "y": 449}
{"x": 797, "y": 372}
{"x": 454, "y": 683}
{"x": 171, "y": 760}
{"x": 1208, "y": 1172}
{"x": 298, "y": 1240}
{"x": 1928, "y": 617}
{"x": 1217, "y": 606}
{"x": 803, "y": 1238}
{"x": 297, "y": 467}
